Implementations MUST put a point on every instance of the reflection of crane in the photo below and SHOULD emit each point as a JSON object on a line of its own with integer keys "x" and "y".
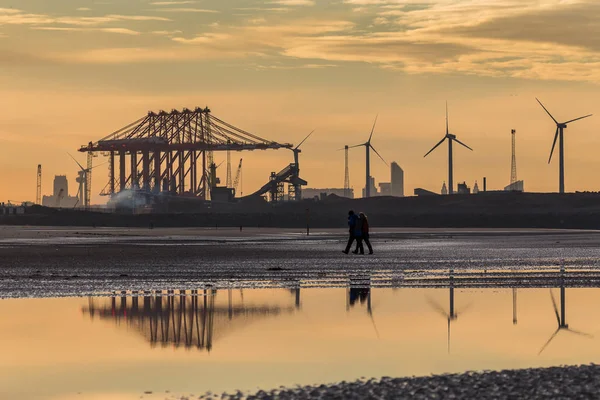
{"x": 193, "y": 319}
{"x": 562, "y": 318}
{"x": 452, "y": 315}
{"x": 237, "y": 180}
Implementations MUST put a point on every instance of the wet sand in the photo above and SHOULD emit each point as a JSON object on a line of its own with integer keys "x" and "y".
{"x": 46, "y": 262}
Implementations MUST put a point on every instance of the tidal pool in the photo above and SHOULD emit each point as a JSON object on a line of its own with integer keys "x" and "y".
{"x": 182, "y": 343}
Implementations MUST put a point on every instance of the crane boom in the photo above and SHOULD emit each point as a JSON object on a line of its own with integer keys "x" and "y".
{"x": 238, "y": 174}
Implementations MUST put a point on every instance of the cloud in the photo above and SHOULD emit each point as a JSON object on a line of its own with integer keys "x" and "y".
{"x": 170, "y": 3}
{"x": 18, "y": 17}
{"x": 184, "y": 10}
{"x": 294, "y": 2}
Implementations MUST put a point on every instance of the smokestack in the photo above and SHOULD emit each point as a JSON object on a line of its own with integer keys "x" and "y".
{"x": 484, "y": 184}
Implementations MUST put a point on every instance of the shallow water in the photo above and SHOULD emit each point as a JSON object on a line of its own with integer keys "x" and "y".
{"x": 222, "y": 340}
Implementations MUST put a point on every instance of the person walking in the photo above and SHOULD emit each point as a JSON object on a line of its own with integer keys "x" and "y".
{"x": 365, "y": 231}
{"x": 364, "y": 223}
{"x": 358, "y": 230}
{"x": 352, "y": 221}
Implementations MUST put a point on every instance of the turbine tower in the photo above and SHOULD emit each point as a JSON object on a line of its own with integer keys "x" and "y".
{"x": 38, "y": 192}
{"x": 560, "y": 127}
{"x": 513, "y": 166}
{"x": 347, "y": 174}
{"x": 368, "y": 148}
{"x": 451, "y": 138}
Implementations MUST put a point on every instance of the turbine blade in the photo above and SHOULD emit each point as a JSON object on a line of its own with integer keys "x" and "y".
{"x": 438, "y": 308}
{"x": 435, "y": 147}
{"x": 555, "y": 308}
{"x": 553, "y": 144}
{"x": 447, "y": 130}
{"x": 376, "y": 152}
{"x": 373, "y": 129}
{"x": 577, "y": 119}
{"x": 96, "y": 166}
{"x": 459, "y": 142}
{"x": 297, "y": 147}
{"x": 358, "y": 145}
{"x": 579, "y": 333}
{"x": 553, "y": 119}
{"x": 80, "y": 166}
{"x": 549, "y": 340}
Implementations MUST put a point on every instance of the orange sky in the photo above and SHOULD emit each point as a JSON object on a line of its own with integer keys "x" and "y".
{"x": 281, "y": 68}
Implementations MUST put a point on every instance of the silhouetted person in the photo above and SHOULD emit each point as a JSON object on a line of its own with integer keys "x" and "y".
{"x": 358, "y": 234}
{"x": 352, "y": 221}
{"x": 364, "y": 223}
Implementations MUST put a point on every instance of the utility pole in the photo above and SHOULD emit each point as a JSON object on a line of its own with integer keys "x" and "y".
{"x": 513, "y": 167}
{"x": 38, "y": 193}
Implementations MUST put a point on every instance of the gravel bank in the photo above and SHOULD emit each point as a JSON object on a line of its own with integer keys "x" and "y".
{"x": 581, "y": 382}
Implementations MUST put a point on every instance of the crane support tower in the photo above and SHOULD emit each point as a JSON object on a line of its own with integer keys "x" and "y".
{"x": 238, "y": 177}
{"x": 172, "y": 150}
{"x": 38, "y": 192}
{"x": 513, "y": 166}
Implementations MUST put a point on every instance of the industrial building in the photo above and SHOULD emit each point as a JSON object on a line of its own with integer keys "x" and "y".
{"x": 372, "y": 189}
{"x": 60, "y": 197}
{"x": 312, "y": 193}
{"x": 518, "y": 186}
{"x": 397, "y": 180}
{"x": 385, "y": 189}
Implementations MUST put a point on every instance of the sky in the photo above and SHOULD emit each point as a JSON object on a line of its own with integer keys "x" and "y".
{"x": 74, "y": 71}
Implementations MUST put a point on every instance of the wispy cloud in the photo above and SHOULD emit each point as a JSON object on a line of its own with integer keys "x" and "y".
{"x": 184, "y": 10}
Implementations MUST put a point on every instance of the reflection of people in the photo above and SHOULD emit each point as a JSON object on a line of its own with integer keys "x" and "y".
{"x": 364, "y": 222}
{"x": 361, "y": 294}
{"x": 352, "y": 221}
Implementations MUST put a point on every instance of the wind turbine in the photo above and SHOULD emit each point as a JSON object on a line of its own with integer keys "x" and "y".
{"x": 560, "y": 127}
{"x": 82, "y": 180}
{"x": 561, "y": 318}
{"x": 368, "y": 148}
{"x": 451, "y": 138}
{"x": 297, "y": 183}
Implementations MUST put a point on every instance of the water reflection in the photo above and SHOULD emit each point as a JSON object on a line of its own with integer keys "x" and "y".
{"x": 297, "y": 335}
{"x": 562, "y": 318}
{"x": 189, "y": 319}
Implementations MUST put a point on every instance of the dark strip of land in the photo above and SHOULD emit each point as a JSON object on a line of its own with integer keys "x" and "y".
{"x": 489, "y": 210}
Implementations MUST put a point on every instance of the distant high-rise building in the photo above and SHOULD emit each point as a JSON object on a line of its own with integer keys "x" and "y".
{"x": 397, "y": 180}
{"x": 444, "y": 189}
{"x": 475, "y": 188}
{"x": 60, "y": 197}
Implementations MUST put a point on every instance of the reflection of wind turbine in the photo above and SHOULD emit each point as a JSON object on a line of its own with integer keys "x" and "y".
{"x": 452, "y": 315}
{"x": 561, "y": 319}
{"x": 451, "y": 138}
{"x": 368, "y": 148}
{"x": 560, "y": 127}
